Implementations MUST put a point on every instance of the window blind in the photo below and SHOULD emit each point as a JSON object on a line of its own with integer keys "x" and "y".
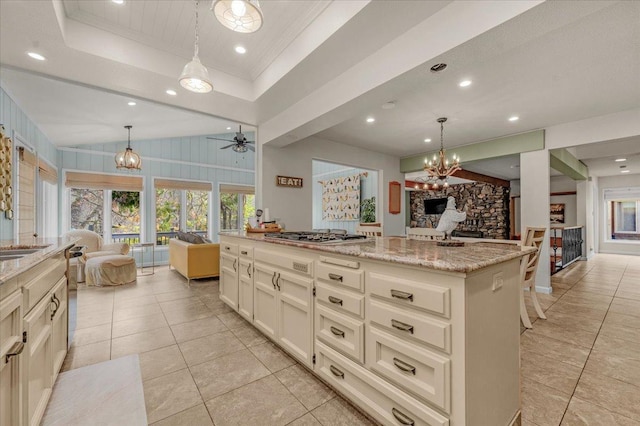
{"x": 182, "y": 184}
{"x": 48, "y": 173}
{"x": 611, "y": 194}
{"x": 84, "y": 180}
{"x": 237, "y": 189}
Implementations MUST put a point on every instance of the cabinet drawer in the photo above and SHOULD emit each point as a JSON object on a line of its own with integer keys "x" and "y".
{"x": 40, "y": 285}
{"x": 228, "y": 261}
{"x": 8, "y": 287}
{"x": 246, "y": 251}
{"x": 341, "y": 276}
{"x": 230, "y": 248}
{"x": 432, "y": 298}
{"x": 383, "y": 401}
{"x": 283, "y": 259}
{"x": 340, "y": 300}
{"x": 340, "y": 332}
{"x": 410, "y": 324}
{"x": 411, "y": 367}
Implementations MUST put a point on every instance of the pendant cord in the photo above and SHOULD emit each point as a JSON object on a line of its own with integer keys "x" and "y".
{"x": 441, "y": 137}
{"x": 196, "y": 50}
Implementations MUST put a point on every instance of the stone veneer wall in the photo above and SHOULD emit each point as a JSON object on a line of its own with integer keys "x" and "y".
{"x": 487, "y": 208}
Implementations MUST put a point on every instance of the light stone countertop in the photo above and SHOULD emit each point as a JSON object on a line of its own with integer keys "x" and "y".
{"x": 50, "y": 246}
{"x": 400, "y": 250}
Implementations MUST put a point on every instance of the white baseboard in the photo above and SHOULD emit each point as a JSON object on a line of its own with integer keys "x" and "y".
{"x": 545, "y": 290}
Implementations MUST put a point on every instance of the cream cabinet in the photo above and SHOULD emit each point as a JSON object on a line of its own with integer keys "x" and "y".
{"x": 245, "y": 282}
{"x": 11, "y": 348}
{"x": 229, "y": 264}
{"x": 265, "y": 294}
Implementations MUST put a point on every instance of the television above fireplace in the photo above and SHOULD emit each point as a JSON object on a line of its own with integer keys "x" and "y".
{"x": 435, "y": 205}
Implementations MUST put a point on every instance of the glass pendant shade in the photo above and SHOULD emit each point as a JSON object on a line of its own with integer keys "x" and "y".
{"x": 128, "y": 159}
{"x": 195, "y": 77}
{"x": 242, "y": 16}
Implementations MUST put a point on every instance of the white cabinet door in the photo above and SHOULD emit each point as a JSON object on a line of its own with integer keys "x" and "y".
{"x": 229, "y": 280}
{"x": 11, "y": 343}
{"x": 245, "y": 289}
{"x": 294, "y": 315}
{"x": 38, "y": 361}
{"x": 59, "y": 328}
{"x": 264, "y": 300}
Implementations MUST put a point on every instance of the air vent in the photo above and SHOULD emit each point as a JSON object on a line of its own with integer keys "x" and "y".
{"x": 439, "y": 67}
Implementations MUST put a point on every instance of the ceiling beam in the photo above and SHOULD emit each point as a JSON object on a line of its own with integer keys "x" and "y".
{"x": 564, "y": 162}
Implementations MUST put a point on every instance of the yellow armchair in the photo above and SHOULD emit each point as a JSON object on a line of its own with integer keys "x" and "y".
{"x": 194, "y": 260}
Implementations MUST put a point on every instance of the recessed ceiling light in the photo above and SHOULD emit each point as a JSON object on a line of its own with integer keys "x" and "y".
{"x": 241, "y": 50}
{"x": 514, "y": 118}
{"x": 427, "y": 140}
{"x": 625, "y": 171}
{"x": 370, "y": 119}
{"x": 618, "y": 160}
{"x": 37, "y": 56}
{"x": 131, "y": 103}
{"x": 228, "y": 128}
{"x": 438, "y": 67}
{"x": 465, "y": 83}
{"x": 118, "y": 1}
{"x": 171, "y": 92}
{"x": 389, "y": 105}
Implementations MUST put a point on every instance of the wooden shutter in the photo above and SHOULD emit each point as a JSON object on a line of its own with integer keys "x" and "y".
{"x": 182, "y": 184}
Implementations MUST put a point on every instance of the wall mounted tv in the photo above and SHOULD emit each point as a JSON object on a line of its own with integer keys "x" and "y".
{"x": 435, "y": 205}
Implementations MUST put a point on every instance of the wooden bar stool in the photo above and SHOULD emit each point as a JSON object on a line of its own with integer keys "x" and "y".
{"x": 533, "y": 237}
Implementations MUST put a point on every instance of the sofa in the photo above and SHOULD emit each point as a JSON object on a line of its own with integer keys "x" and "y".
{"x": 194, "y": 260}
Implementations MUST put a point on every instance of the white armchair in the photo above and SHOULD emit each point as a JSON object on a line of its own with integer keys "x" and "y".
{"x": 94, "y": 247}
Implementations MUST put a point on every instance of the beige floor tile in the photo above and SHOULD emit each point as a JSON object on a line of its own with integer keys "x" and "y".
{"x": 138, "y": 325}
{"x": 574, "y": 336}
{"x": 595, "y": 288}
{"x": 121, "y": 314}
{"x": 623, "y": 320}
{"x": 183, "y": 305}
{"x": 556, "y": 349}
{"x": 132, "y": 291}
{"x": 135, "y": 302}
{"x": 198, "y": 328}
{"x": 232, "y": 320}
{"x": 90, "y": 354}
{"x": 587, "y": 299}
{"x": 161, "y": 361}
{"x": 625, "y": 306}
{"x": 93, "y": 319}
{"x": 195, "y": 416}
{"x": 550, "y": 372}
{"x": 249, "y": 335}
{"x": 571, "y": 321}
{"x": 573, "y": 309}
{"x": 210, "y": 347}
{"x": 310, "y": 391}
{"x": 90, "y": 335}
{"x": 170, "y": 394}
{"x": 141, "y": 342}
{"x": 183, "y": 293}
{"x": 612, "y": 394}
{"x": 217, "y": 306}
{"x": 542, "y": 405}
{"x": 265, "y": 402}
{"x": 180, "y": 316}
{"x": 621, "y": 366}
{"x": 306, "y": 420}
{"x": 227, "y": 373}
{"x": 581, "y": 413}
{"x": 628, "y": 295}
{"x": 272, "y": 357}
{"x": 339, "y": 412}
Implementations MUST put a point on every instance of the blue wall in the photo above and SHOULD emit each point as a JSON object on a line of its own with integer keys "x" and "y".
{"x": 13, "y": 118}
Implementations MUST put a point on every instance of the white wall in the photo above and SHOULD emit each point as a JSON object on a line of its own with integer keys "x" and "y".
{"x": 606, "y": 245}
{"x": 294, "y": 206}
{"x": 565, "y": 184}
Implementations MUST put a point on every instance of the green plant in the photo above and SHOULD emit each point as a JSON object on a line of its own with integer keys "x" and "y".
{"x": 368, "y": 210}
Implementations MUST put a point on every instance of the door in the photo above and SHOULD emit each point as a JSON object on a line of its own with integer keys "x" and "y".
{"x": 245, "y": 289}
{"x": 229, "y": 280}
{"x": 264, "y": 300}
{"x": 10, "y": 343}
{"x": 59, "y": 324}
{"x": 294, "y": 315}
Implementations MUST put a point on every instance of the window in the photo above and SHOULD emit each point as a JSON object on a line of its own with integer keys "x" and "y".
{"x": 125, "y": 216}
{"x": 181, "y": 205}
{"x": 87, "y": 209}
{"x": 625, "y": 214}
{"x": 237, "y": 205}
{"x": 622, "y": 207}
{"x": 47, "y": 207}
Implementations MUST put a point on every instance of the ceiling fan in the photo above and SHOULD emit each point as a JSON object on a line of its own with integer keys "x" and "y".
{"x": 240, "y": 142}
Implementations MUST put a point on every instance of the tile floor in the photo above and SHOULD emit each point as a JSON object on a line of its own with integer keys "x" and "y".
{"x": 202, "y": 364}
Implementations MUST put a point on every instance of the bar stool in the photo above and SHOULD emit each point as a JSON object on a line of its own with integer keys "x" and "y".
{"x": 533, "y": 237}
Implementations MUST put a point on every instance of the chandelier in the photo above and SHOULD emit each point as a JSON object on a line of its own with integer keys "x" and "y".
{"x": 128, "y": 159}
{"x": 242, "y": 16}
{"x": 195, "y": 76}
{"x": 439, "y": 169}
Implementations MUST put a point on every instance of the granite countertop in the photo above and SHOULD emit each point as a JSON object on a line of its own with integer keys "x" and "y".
{"x": 400, "y": 250}
{"x": 49, "y": 246}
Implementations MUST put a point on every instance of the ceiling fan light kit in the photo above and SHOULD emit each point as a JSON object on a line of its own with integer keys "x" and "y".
{"x": 440, "y": 168}
{"x": 195, "y": 76}
{"x": 128, "y": 159}
{"x": 239, "y": 143}
{"x": 242, "y": 16}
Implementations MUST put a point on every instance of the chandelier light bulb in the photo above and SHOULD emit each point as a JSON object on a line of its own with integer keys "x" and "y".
{"x": 238, "y": 8}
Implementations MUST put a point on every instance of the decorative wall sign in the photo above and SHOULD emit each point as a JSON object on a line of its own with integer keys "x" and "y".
{"x": 291, "y": 182}
{"x": 556, "y": 213}
{"x": 341, "y": 198}
{"x": 395, "y": 191}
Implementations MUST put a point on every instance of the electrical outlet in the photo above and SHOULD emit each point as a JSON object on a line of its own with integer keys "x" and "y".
{"x": 497, "y": 281}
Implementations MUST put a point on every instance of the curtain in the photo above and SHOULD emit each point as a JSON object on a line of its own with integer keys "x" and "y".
{"x": 83, "y": 180}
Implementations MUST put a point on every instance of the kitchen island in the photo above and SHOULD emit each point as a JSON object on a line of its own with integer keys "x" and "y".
{"x": 410, "y": 332}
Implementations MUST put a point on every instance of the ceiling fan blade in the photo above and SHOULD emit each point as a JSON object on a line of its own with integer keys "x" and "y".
{"x": 249, "y": 141}
{"x": 228, "y": 146}
{"x": 251, "y": 148}
{"x": 218, "y": 139}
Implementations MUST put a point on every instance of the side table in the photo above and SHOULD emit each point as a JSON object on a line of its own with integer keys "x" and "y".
{"x": 142, "y": 247}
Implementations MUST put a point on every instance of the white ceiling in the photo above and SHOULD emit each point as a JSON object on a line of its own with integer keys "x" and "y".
{"x": 549, "y": 63}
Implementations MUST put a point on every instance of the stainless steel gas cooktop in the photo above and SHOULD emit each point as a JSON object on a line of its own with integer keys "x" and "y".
{"x": 320, "y": 236}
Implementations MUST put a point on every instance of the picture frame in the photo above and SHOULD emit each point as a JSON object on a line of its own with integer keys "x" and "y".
{"x": 395, "y": 193}
{"x": 556, "y": 213}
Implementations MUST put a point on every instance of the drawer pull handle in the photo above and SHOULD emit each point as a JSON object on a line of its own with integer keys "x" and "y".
{"x": 15, "y": 350}
{"x": 278, "y": 281}
{"x": 337, "y": 331}
{"x": 402, "y": 295}
{"x": 335, "y": 277}
{"x": 401, "y": 326}
{"x": 335, "y": 300}
{"x": 404, "y": 366}
{"x": 402, "y": 418}
{"x": 244, "y": 252}
{"x": 336, "y": 371}
{"x": 235, "y": 262}
{"x": 273, "y": 278}
{"x": 56, "y": 302}
{"x": 249, "y": 270}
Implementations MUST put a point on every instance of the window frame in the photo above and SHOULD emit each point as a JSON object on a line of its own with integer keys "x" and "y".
{"x": 240, "y": 220}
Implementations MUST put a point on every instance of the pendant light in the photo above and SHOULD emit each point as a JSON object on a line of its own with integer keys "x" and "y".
{"x": 242, "y": 16}
{"x": 128, "y": 159}
{"x": 195, "y": 76}
{"x": 440, "y": 168}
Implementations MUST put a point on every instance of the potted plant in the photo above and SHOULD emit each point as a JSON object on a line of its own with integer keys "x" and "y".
{"x": 368, "y": 210}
